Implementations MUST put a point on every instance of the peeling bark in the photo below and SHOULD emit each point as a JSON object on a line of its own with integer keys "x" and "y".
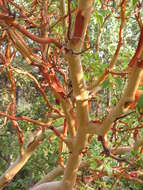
{"x": 80, "y": 94}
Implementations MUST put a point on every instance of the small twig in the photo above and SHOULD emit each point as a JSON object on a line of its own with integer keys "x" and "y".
{"x": 120, "y": 159}
{"x": 125, "y": 115}
{"x": 109, "y": 154}
{"x": 78, "y": 53}
{"x": 69, "y": 15}
{"x": 104, "y": 144}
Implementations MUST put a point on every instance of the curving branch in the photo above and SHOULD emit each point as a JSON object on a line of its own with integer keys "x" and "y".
{"x": 20, "y": 162}
{"x": 128, "y": 96}
{"x": 12, "y": 22}
{"x": 110, "y": 67}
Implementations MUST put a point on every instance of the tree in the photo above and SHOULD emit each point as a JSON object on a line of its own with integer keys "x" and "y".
{"x": 90, "y": 90}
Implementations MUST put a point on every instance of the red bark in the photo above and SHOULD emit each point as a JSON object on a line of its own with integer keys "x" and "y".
{"x": 79, "y": 25}
{"x": 138, "y": 52}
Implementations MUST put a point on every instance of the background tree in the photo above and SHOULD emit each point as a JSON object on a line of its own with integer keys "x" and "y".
{"x": 71, "y": 94}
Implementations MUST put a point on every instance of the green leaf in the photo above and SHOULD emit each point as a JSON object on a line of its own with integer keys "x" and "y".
{"x": 107, "y": 84}
{"x": 134, "y": 2}
{"x": 99, "y": 18}
{"x": 118, "y": 81}
{"x": 108, "y": 169}
{"x": 140, "y": 104}
{"x": 93, "y": 165}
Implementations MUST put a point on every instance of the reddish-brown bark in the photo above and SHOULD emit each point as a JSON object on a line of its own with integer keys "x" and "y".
{"x": 139, "y": 50}
{"x": 79, "y": 25}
